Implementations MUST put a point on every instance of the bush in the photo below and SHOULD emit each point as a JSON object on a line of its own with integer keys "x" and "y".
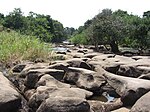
{"x": 14, "y": 47}
{"x": 79, "y": 39}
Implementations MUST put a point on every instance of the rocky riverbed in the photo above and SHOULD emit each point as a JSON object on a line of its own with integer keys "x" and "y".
{"x": 81, "y": 80}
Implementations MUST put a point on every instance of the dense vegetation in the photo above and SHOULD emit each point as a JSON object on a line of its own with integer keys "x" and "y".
{"x": 115, "y": 29}
{"x": 41, "y": 26}
{"x": 16, "y": 47}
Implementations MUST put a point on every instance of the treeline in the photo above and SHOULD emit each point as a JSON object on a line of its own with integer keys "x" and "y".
{"x": 115, "y": 29}
{"x": 39, "y": 25}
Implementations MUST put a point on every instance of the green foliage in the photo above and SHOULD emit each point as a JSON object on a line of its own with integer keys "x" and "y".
{"x": 14, "y": 46}
{"x": 79, "y": 39}
{"x": 41, "y": 26}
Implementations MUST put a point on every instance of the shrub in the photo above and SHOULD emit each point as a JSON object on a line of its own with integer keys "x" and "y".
{"x": 14, "y": 46}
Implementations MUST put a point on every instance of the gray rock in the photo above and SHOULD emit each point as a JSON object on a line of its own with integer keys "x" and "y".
{"x": 65, "y": 104}
{"x": 142, "y": 104}
{"x": 34, "y": 75}
{"x": 84, "y": 78}
{"x": 10, "y": 99}
{"x": 42, "y": 93}
{"x": 130, "y": 89}
{"x": 49, "y": 81}
{"x": 77, "y": 62}
{"x": 145, "y": 76}
{"x": 98, "y": 106}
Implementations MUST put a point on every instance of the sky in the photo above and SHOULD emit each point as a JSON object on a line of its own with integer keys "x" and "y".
{"x": 74, "y": 13}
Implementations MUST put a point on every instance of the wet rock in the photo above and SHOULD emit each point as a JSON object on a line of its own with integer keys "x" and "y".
{"x": 10, "y": 99}
{"x": 64, "y": 104}
{"x": 142, "y": 104}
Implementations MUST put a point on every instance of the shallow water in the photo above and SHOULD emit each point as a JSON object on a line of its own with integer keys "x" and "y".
{"x": 102, "y": 98}
{"x": 60, "y": 49}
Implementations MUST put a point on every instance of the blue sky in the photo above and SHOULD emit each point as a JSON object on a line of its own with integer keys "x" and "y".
{"x": 73, "y": 13}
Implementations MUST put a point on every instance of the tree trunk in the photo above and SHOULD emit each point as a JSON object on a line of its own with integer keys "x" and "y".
{"x": 96, "y": 47}
{"x": 114, "y": 47}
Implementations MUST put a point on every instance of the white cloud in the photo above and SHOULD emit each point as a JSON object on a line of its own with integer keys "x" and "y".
{"x": 74, "y": 12}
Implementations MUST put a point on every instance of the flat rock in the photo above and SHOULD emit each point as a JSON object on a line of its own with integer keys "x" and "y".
{"x": 64, "y": 104}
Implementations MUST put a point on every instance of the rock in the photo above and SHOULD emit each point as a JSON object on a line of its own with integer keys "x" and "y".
{"x": 122, "y": 109}
{"x": 18, "y": 68}
{"x": 61, "y": 52}
{"x": 78, "y": 55}
{"x": 10, "y": 99}
{"x": 64, "y": 104}
{"x": 49, "y": 81}
{"x": 133, "y": 70}
{"x": 59, "y": 66}
{"x": 32, "y": 66}
{"x": 76, "y": 62}
{"x": 82, "y": 51}
{"x": 44, "y": 92}
{"x": 83, "y": 78}
{"x": 145, "y": 76}
{"x": 90, "y": 55}
{"x": 142, "y": 104}
{"x": 60, "y": 57}
{"x": 130, "y": 89}
{"x": 34, "y": 75}
{"x": 98, "y": 106}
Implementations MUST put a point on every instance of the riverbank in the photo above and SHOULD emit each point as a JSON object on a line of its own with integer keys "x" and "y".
{"x": 80, "y": 80}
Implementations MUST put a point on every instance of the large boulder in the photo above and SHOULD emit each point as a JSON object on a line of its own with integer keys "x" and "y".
{"x": 143, "y": 104}
{"x": 84, "y": 78}
{"x": 34, "y": 75}
{"x": 64, "y": 104}
{"x": 130, "y": 89}
{"x": 77, "y": 62}
{"x": 10, "y": 99}
{"x": 42, "y": 93}
{"x": 49, "y": 81}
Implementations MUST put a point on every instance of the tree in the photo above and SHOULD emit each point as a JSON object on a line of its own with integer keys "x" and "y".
{"x": 107, "y": 29}
{"x": 15, "y": 20}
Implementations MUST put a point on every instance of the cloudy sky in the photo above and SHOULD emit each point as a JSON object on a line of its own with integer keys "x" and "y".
{"x": 73, "y": 13}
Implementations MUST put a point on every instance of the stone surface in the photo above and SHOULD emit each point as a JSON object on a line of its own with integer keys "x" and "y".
{"x": 49, "y": 81}
{"x": 143, "y": 104}
{"x": 42, "y": 93}
{"x": 10, "y": 99}
{"x": 98, "y": 106}
{"x": 130, "y": 89}
{"x": 84, "y": 78}
{"x": 64, "y": 104}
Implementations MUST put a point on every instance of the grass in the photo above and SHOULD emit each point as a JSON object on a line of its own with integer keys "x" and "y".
{"x": 14, "y": 47}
